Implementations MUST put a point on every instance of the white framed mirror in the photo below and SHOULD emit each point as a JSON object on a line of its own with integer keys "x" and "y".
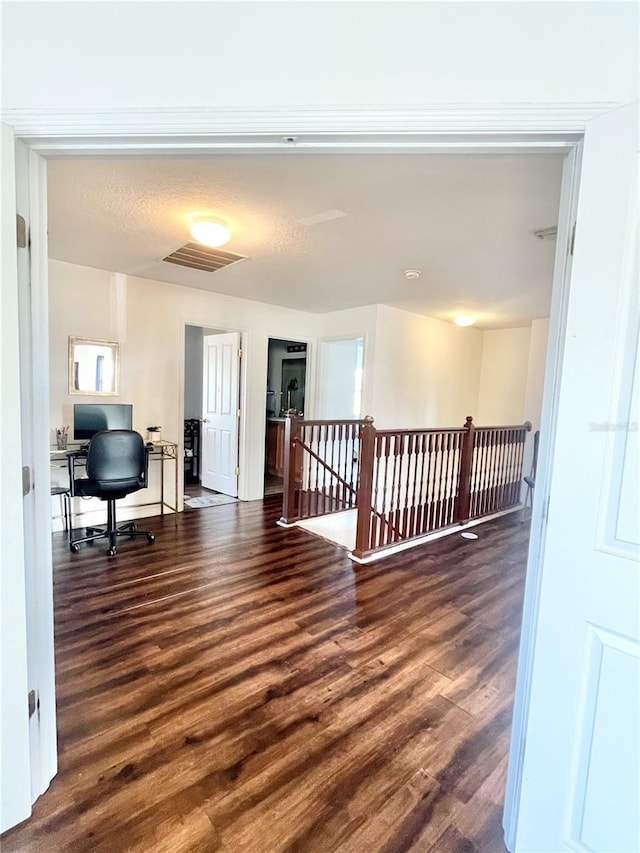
{"x": 94, "y": 367}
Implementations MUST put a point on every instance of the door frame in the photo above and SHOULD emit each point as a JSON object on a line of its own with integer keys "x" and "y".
{"x": 242, "y": 429}
{"x": 454, "y": 128}
{"x": 320, "y": 367}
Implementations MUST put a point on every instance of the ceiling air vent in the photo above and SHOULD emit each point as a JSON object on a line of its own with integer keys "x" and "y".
{"x": 199, "y": 257}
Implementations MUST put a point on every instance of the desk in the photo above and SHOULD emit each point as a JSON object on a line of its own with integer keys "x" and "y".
{"x": 162, "y": 452}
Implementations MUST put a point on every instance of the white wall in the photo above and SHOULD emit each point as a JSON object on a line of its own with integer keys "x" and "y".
{"x": 535, "y": 372}
{"x": 148, "y": 318}
{"x": 316, "y": 53}
{"x": 503, "y": 377}
{"x": 418, "y": 371}
{"x": 426, "y": 371}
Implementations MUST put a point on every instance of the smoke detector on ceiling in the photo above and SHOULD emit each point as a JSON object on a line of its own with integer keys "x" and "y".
{"x": 412, "y": 275}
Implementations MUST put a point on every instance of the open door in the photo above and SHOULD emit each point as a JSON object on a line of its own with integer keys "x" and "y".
{"x": 221, "y": 415}
{"x": 28, "y": 759}
{"x": 579, "y": 783}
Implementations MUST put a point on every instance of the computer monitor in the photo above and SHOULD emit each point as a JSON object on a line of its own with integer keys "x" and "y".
{"x": 90, "y": 418}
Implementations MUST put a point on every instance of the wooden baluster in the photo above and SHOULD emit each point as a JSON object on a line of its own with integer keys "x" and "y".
{"x": 310, "y": 470}
{"x": 494, "y": 466}
{"x": 332, "y": 479}
{"x": 483, "y": 470}
{"x": 506, "y": 448}
{"x": 322, "y": 453}
{"x": 307, "y": 434}
{"x": 316, "y": 448}
{"x": 457, "y": 474}
{"x": 511, "y": 475}
{"x": 442, "y": 488}
{"x": 397, "y": 521}
{"x": 382, "y": 505}
{"x": 426, "y": 526}
{"x": 415, "y": 439}
{"x": 464, "y": 489}
{"x": 376, "y": 525}
{"x": 450, "y": 472}
{"x": 341, "y": 474}
{"x": 437, "y": 476}
{"x": 422, "y": 494}
{"x": 403, "y": 486}
{"x": 501, "y": 450}
{"x": 475, "y": 481}
{"x": 365, "y": 486}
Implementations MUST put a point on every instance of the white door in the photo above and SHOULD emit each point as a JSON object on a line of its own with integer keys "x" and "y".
{"x": 220, "y": 399}
{"x": 28, "y": 741}
{"x": 580, "y": 776}
{"x": 15, "y": 775}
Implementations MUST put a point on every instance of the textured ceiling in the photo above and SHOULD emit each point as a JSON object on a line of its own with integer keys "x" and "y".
{"x": 465, "y": 221}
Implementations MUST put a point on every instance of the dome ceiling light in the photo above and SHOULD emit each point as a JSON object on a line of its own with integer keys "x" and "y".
{"x": 210, "y": 232}
{"x": 465, "y": 320}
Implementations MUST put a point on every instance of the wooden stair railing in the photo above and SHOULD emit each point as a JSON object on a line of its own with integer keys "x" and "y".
{"x": 405, "y": 484}
{"x": 420, "y": 482}
{"x": 321, "y": 466}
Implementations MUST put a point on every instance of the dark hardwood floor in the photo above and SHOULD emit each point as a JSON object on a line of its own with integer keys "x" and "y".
{"x": 240, "y": 687}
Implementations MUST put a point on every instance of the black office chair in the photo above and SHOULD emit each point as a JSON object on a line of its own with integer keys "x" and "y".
{"x": 116, "y": 466}
{"x": 530, "y": 481}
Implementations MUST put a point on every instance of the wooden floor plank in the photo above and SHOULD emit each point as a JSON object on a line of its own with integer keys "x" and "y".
{"x": 240, "y": 687}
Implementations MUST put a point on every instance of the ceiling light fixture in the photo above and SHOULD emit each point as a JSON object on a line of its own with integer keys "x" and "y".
{"x": 465, "y": 320}
{"x": 412, "y": 274}
{"x": 210, "y": 232}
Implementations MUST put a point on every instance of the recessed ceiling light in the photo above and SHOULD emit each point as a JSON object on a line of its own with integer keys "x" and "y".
{"x": 412, "y": 274}
{"x": 465, "y": 320}
{"x": 210, "y": 232}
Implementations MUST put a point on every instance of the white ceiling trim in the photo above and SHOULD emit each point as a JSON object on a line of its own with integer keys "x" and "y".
{"x": 32, "y": 124}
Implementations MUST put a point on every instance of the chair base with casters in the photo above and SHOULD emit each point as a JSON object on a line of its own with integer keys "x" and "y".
{"x": 110, "y": 532}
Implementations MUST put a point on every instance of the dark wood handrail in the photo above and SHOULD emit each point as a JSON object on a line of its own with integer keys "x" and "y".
{"x": 430, "y": 430}
{"x": 344, "y": 422}
{"x": 526, "y": 426}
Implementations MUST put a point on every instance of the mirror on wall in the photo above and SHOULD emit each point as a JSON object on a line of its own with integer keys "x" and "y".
{"x": 94, "y": 366}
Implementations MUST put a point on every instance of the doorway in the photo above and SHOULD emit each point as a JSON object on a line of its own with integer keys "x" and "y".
{"x": 211, "y": 424}
{"x": 566, "y": 220}
{"x": 286, "y": 392}
{"x": 340, "y": 380}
